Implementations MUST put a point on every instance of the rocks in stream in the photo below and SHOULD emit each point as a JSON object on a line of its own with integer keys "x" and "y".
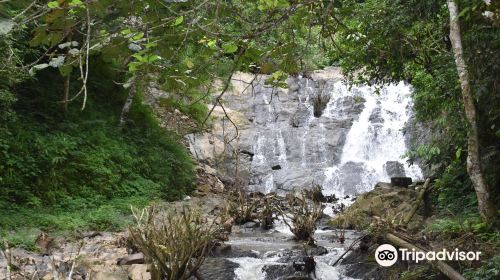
{"x": 401, "y": 181}
{"x": 394, "y": 169}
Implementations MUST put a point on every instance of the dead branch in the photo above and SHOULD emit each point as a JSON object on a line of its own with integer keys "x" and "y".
{"x": 349, "y": 249}
{"x": 420, "y": 197}
{"x": 442, "y": 266}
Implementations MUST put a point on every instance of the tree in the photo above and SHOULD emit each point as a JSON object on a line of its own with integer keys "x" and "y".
{"x": 484, "y": 197}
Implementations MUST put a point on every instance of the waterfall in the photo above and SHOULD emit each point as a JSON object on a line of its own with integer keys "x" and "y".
{"x": 374, "y": 139}
{"x": 345, "y": 150}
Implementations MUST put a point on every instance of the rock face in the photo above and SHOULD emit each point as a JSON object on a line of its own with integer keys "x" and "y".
{"x": 316, "y": 131}
{"x": 285, "y": 136}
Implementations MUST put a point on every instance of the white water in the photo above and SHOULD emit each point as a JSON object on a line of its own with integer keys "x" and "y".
{"x": 371, "y": 144}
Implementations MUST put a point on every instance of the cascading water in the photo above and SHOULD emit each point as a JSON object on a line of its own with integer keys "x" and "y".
{"x": 345, "y": 150}
{"x": 373, "y": 140}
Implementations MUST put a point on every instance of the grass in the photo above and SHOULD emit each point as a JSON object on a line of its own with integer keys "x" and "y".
{"x": 21, "y": 225}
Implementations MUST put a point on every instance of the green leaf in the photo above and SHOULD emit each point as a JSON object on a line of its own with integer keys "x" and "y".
{"x": 138, "y": 36}
{"x": 53, "y": 4}
{"x": 74, "y": 3}
{"x": 463, "y": 12}
{"x": 132, "y": 66}
{"x": 189, "y": 63}
{"x": 65, "y": 70}
{"x": 178, "y": 21}
{"x": 153, "y": 58}
{"x": 126, "y": 31}
{"x": 458, "y": 153}
{"x": 229, "y": 47}
{"x": 212, "y": 44}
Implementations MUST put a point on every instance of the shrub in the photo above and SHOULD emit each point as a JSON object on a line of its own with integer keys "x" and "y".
{"x": 174, "y": 244}
{"x": 303, "y": 214}
{"x": 240, "y": 207}
{"x": 489, "y": 271}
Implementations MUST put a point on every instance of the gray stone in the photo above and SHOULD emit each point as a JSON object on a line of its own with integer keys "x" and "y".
{"x": 251, "y": 225}
{"x": 394, "y": 169}
{"x": 131, "y": 259}
{"x": 376, "y": 116}
{"x": 109, "y": 276}
{"x": 217, "y": 269}
{"x": 139, "y": 272}
{"x": 401, "y": 181}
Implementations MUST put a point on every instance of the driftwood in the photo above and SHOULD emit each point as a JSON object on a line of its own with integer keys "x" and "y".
{"x": 348, "y": 249}
{"x": 420, "y": 197}
{"x": 442, "y": 266}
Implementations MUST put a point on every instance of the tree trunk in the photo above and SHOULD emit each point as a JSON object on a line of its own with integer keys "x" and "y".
{"x": 128, "y": 104}
{"x": 486, "y": 206}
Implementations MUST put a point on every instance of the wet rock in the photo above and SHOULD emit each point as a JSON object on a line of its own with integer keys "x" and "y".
{"x": 376, "y": 116}
{"x": 401, "y": 181}
{"x": 383, "y": 185}
{"x": 394, "y": 169}
{"x": 351, "y": 176}
{"x": 227, "y": 251}
{"x": 281, "y": 272}
{"x": 317, "y": 251}
{"x": 300, "y": 117}
{"x": 250, "y": 225}
{"x": 281, "y": 124}
{"x": 131, "y": 259}
{"x": 217, "y": 269}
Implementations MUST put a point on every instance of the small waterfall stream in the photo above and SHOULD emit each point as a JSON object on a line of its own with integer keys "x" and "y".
{"x": 345, "y": 150}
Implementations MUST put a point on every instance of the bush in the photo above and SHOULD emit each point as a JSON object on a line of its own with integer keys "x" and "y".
{"x": 303, "y": 216}
{"x": 175, "y": 244}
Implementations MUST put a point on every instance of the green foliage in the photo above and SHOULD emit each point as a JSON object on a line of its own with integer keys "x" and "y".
{"x": 489, "y": 271}
{"x": 384, "y": 41}
{"x": 63, "y": 171}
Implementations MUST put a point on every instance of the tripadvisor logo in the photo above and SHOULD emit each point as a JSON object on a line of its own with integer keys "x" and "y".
{"x": 387, "y": 255}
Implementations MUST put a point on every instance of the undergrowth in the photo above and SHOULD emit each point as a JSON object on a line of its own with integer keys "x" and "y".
{"x": 79, "y": 170}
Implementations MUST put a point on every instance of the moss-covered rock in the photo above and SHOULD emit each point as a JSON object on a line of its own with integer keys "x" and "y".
{"x": 384, "y": 201}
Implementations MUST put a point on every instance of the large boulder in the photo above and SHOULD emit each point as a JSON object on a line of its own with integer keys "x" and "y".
{"x": 394, "y": 169}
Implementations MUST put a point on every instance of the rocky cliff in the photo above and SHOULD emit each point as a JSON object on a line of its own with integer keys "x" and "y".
{"x": 275, "y": 139}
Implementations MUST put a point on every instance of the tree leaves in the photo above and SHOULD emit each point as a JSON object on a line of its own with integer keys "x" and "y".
{"x": 53, "y": 4}
{"x": 178, "y": 21}
{"x": 229, "y": 47}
